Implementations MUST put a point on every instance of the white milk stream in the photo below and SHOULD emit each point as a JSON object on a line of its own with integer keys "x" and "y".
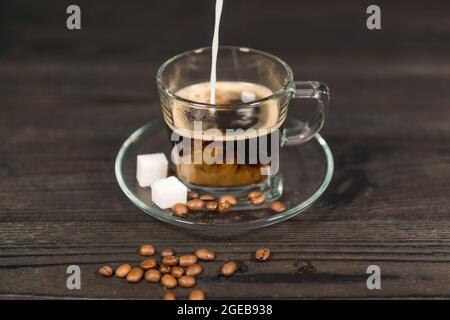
{"x": 215, "y": 48}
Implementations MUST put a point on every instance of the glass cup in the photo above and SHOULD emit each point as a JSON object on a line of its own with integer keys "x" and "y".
{"x": 233, "y": 146}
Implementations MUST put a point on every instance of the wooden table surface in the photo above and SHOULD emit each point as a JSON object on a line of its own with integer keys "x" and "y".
{"x": 68, "y": 99}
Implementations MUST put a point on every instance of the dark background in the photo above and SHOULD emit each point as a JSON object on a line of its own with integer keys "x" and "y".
{"x": 68, "y": 99}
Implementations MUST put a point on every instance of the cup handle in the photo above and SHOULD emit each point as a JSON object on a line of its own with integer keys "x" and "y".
{"x": 298, "y": 132}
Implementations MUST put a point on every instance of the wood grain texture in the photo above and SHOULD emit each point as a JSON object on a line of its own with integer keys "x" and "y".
{"x": 69, "y": 99}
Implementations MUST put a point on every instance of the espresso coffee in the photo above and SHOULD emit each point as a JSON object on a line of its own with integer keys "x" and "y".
{"x": 227, "y": 146}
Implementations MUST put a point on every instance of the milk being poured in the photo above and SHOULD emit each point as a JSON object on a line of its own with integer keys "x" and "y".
{"x": 215, "y": 48}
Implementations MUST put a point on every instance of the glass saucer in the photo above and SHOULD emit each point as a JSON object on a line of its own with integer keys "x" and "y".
{"x": 306, "y": 170}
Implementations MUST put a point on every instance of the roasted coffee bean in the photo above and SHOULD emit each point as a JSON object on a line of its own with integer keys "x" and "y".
{"x": 135, "y": 275}
{"x": 254, "y": 194}
{"x": 165, "y": 252}
{"x": 207, "y": 197}
{"x": 196, "y": 295}
{"x": 170, "y": 261}
{"x": 228, "y": 197}
{"x": 277, "y": 206}
{"x": 224, "y": 207}
{"x": 205, "y": 254}
{"x": 187, "y": 281}
{"x": 176, "y": 272}
{"x": 195, "y": 204}
{"x": 148, "y": 264}
{"x": 168, "y": 281}
{"x": 192, "y": 195}
{"x": 187, "y": 260}
{"x": 258, "y": 200}
{"x": 152, "y": 275}
{"x": 212, "y": 205}
{"x": 262, "y": 254}
{"x": 194, "y": 270}
{"x": 179, "y": 209}
{"x": 147, "y": 250}
{"x": 122, "y": 271}
{"x": 228, "y": 268}
{"x": 164, "y": 269}
{"x": 169, "y": 296}
{"x": 105, "y": 271}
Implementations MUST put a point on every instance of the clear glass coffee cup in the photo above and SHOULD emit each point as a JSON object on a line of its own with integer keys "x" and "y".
{"x": 233, "y": 146}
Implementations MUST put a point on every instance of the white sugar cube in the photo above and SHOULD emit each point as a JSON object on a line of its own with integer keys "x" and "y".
{"x": 151, "y": 167}
{"x": 169, "y": 191}
{"x": 247, "y": 96}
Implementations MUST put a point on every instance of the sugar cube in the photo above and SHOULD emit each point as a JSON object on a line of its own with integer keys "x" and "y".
{"x": 151, "y": 167}
{"x": 169, "y": 191}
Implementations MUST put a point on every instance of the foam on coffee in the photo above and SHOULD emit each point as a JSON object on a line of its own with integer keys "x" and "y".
{"x": 228, "y": 93}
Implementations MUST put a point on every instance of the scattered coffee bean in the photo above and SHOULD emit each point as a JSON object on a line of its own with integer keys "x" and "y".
{"x": 152, "y": 275}
{"x": 187, "y": 281}
{"x": 254, "y": 194}
{"x": 105, "y": 271}
{"x": 192, "y": 195}
{"x": 224, "y": 207}
{"x": 195, "y": 204}
{"x": 168, "y": 281}
{"x": 165, "y": 252}
{"x": 123, "y": 270}
{"x": 228, "y": 268}
{"x": 148, "y": 264}
{"x": 170, "y": 261}
{"x": 228, "y": 197}
{"x": 258, "y": 200}
{"x": 205, "y": 254}
{"x": 212, "y": 205}
{"x": 262, "y": 254}
{"x": 187, "y": 260}
{"x": 179, "y": 209}
{"x": 164, "y": 269}
{"x": 176, "y": 272}
{"x": 169, "y": 296}
{"x": 196, "y": 295}
{"x": 277, "y": 206}
{"x": 194, "y": 270}
{"x": 147, "y": 250}
{"x": 207, "y": 197}
{"x": 135, "y": 275}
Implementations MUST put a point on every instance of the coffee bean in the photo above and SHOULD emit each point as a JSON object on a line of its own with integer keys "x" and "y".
{"x": 179, "y": 209}
{"x": 192, "y": 195}
{"x": 105, "y": 271}
{"x": 164, "y": 269}
{"x": 170, "y": 261}
{"x": 152, "y": 275}
{"x": 187, "y": 281}
{"x": 224, "y": 207}
{"x": 212, "y": 205}
{"x": 194, "y": 270}
{"x": 148, "y": 264}
{"x": 258, "y": 200}
{"x": 168, "y": 281}
{"x": 147, "y": 250}
{"x": 176, "y": 272}
{"x": 228, "y": 197}
{"x": 196, "y": 295}
{"x": 205, "y": 254}
{"x": 228, "y": 268}
{"x": 165, "y": 252}
{"x": 195, "y": 204}
{"x": 122, "y": 271}
{"x": 135, "y": 275}
{"x": 277, "y": 206}
{"x": 169, "y": 296}
{"x": 254, "y": 194}
{"x": 207, "y": 197}
{"x": 262, "y": 254}
{"x": 187, "y": 260}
